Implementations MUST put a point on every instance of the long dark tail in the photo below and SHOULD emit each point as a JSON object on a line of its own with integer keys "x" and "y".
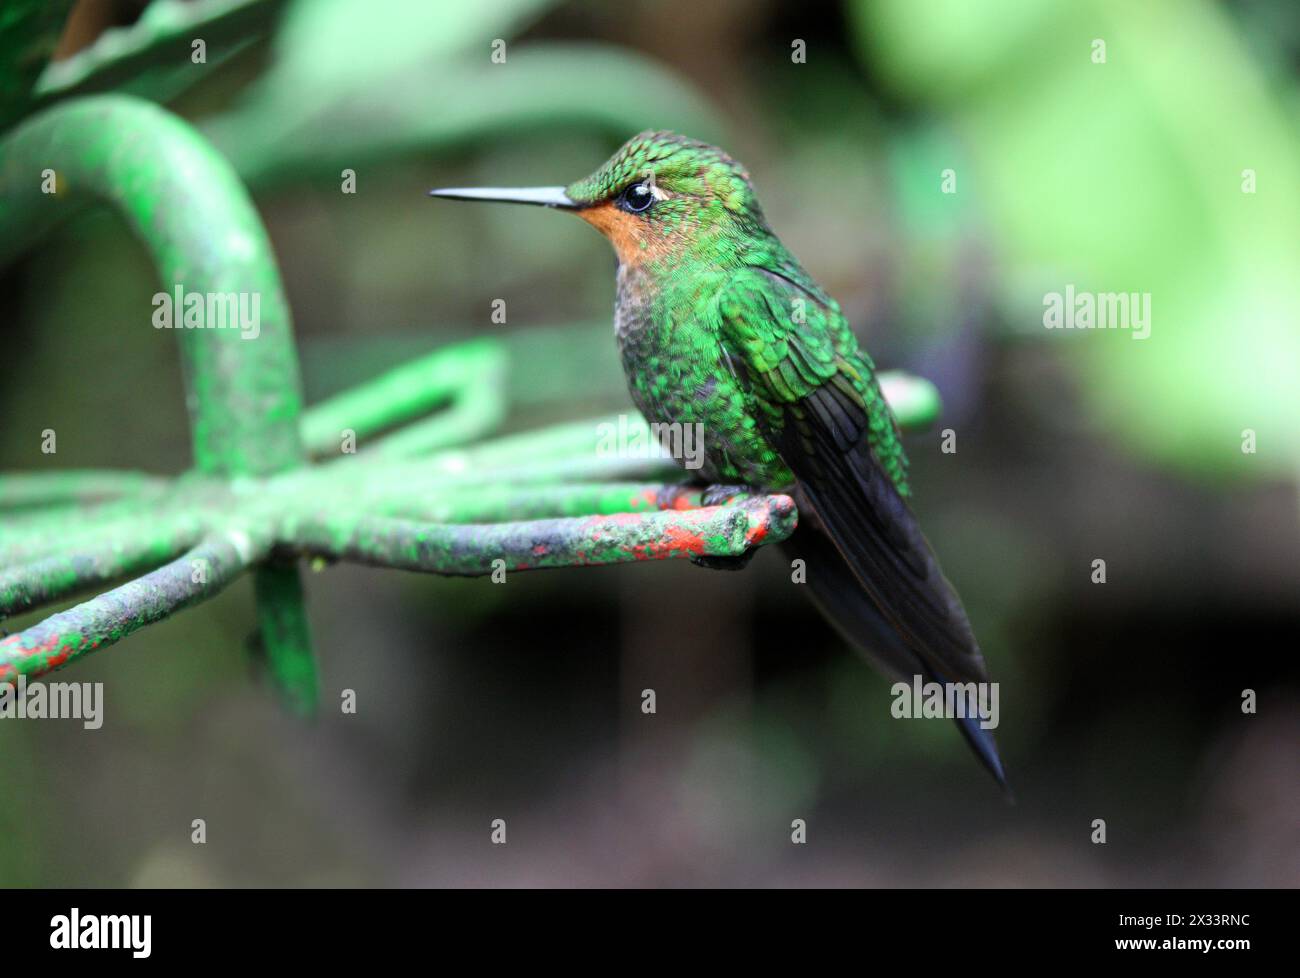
{"x": 836, "y": 591}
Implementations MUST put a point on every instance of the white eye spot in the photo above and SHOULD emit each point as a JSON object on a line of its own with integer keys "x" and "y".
{"x": 657, "y": 192}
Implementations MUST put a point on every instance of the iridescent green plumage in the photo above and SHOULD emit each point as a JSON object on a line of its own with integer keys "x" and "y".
{"x": 719, "y": 325}
{"x": 721, "y": 328}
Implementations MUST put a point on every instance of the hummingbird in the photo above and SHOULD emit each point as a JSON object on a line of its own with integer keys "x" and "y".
{"x": 720, "y": 327}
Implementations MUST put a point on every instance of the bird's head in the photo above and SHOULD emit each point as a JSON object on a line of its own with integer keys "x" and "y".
{"x": 658, "y": 197}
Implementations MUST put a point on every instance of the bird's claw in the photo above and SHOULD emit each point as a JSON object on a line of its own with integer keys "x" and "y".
{"x": 720, "y": 494}
{"x": 728, "y": 563}
{"x": 670, "y": 497}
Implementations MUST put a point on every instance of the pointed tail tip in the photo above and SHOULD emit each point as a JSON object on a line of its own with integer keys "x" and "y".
{"x": 994, "y": 767}
{"x": 1004, "y": 783}
{"x": 986, "y": 749}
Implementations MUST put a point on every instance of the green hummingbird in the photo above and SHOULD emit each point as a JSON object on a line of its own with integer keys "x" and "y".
{"x": 720, "y": 327}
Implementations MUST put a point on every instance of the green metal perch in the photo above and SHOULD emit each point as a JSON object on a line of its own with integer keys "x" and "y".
{"x": 414, "y": 496}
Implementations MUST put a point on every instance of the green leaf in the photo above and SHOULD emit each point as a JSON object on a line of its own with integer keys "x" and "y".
{"x": 352, "y": 83}
{"x": 29, "y": 31}
{"x": 152, "y": 57}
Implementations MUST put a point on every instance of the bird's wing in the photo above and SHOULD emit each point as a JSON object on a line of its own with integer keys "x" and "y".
{"x": 822, "y": 407}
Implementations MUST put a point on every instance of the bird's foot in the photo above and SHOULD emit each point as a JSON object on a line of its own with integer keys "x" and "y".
{"x": 678, "y": 496}
{"x": 675, "y": 496}
{"x": 735, "y": 563}
{"x": 720, "y": 494}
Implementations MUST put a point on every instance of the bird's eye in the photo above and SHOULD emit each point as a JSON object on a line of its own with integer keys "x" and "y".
{"x": 637, "y": 198}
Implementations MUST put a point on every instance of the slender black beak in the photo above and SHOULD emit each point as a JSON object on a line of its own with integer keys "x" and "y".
{"x": 541, "y": 196}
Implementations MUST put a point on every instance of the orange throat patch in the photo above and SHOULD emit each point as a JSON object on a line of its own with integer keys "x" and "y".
{"x": 625, "y": 232}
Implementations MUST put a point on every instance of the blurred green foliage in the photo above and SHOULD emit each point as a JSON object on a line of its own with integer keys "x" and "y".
{"x": 1127, "y": 175}
{"x": 155, "y": 57}
{"x": 29, "y": 31}
{"x": 349, "y": 85}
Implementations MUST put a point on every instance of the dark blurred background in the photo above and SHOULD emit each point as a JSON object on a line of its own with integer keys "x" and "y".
{"x": 1119, "y": 701}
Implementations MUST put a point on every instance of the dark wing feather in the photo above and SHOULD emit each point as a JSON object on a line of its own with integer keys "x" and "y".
{"x": 880, "y": 582}
{"x": 829, "y": 421}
